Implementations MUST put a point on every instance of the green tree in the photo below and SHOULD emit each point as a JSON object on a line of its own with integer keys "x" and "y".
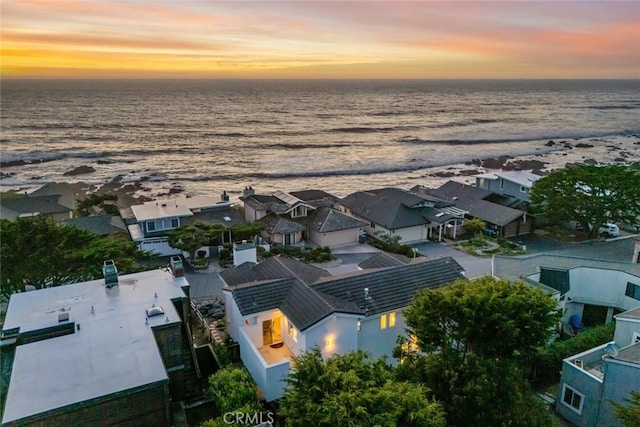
{"x": 629, "y": 414}
{"x": 246, "y": 231}
{"x": 190, "y": 237}
{"x": 474, "y": 226}
{"x": 474, "y": 338}
{"x": 36, "y": 251}
{"x": 351, "y": 390}
{"x": 234, "y": 391}
{"x": 589, "y": 194}
{"x": 95, "y": 204}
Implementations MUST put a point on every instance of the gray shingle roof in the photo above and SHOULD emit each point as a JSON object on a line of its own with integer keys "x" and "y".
{"x": 301, "y": 304}
{"x": 261, "y": 296}
{"x": 392, "y": 288}
{"x": 393, "y": 208}
{"x": 274, "y": 224}
{"x": 270, "y": 269}
{"x": 307, "y": 303}
{"x": 98, "y": 224}
{"x": 384, "y": 260}
{"x": 472, "y": 199}
{"x": 32, "y": 204}
{"x": 326, "y": 220}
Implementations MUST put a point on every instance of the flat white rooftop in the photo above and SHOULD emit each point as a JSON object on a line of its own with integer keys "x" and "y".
{"x": 179, "y": 206}
{"x": 114, "y": 349}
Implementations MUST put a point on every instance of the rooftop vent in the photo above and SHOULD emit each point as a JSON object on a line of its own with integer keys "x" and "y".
{"x": 110, "y": 273}
{"x": 155, "y": 310}
{"x": 366, "y": 294}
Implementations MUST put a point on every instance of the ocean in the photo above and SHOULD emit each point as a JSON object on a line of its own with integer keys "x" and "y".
{"x": 208, "y": 136}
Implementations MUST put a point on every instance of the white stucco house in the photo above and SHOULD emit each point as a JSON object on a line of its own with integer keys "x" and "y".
{"x": 276, "y": 319}
{"x": 593, "y": 290}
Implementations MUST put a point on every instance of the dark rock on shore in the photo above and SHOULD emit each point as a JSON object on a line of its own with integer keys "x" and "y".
{"x": 550, "y": 143}
{"x": 80, "y": 170}
{"x": 583, "y": 145}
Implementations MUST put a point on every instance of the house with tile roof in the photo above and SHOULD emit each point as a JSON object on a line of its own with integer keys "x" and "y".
{"x": 276, "y": 319}
{"x": 391, "y": 212}
{"x": 493, "y": 209}
{"x": 591, "y": 380}
{"x": 300, "y": 217}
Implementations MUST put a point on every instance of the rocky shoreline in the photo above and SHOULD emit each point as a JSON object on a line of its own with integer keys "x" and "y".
{"x": 559, "y": 155}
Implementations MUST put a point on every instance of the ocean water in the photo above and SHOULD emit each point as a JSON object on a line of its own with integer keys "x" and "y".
{"x": 206, "y": 136}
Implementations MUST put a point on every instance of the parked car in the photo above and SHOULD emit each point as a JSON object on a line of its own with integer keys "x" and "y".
{"x": 609, "y": 230}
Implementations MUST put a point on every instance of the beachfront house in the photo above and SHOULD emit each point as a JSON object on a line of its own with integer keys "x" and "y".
{"x": 149, "y": 222}
{"x": 592, "y": 380}
{"x": 495, "y": 210}
{"x": 514, "y": 184}
{"x": 274, "y": 319}
{"x": 302, "y": 217}
{"x": 392, "y": 212}
{"x": 113, "y": 351}
{"x": 30, "y": 205}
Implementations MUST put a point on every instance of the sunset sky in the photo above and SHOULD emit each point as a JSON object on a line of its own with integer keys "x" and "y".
{"x": 320, "y": 39}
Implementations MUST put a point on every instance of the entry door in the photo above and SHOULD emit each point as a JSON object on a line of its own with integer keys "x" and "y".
{"x": 271, "y": 331}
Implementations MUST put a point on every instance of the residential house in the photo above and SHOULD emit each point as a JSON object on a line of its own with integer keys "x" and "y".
{"x": 102, "y": 225}
{"x": 593, "y": 290}
{"x": 29, "y": 205}
{"x": 495, "y": 210}
{"x": 114, "y": 351}
{"x": 514, "y": 184}
{"x": 276, "y": 319}
{"x": 301, "y": 217}
{"x": 149, "y": 222}
{"x": 392, "y": 212}
{"x": 592, "y": 380}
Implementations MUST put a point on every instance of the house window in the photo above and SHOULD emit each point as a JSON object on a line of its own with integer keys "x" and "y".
{"x": 163, "y": 224}
{"x": 293, "y": 332}
{"x": 359, "y": 325}
{"x": 392, "y": 319}
{"x": 633, "y": 291}
{"x": 383, "y": 321}
{"x": 373, "y": 225}
{"x": 524, "y": 189}
{"x": 330, "y": 342}
{"x": 572, "y": 398}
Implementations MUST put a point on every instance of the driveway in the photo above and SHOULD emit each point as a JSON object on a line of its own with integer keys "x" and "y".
{"x": 616, "y": 249}
{"x": 474, "y": 266}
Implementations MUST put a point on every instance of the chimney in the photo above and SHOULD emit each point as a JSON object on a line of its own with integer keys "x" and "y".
{"x": 224, "y": 196}
{"x": 366, "y": 294}
{"x": 636, "y": 252}
{"x": 248, "y": 191}
{"x": 110, "y": 273}
{"x": 177, "y": 268}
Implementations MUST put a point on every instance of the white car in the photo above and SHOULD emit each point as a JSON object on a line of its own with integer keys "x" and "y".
{"x": 609, "y": 230}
